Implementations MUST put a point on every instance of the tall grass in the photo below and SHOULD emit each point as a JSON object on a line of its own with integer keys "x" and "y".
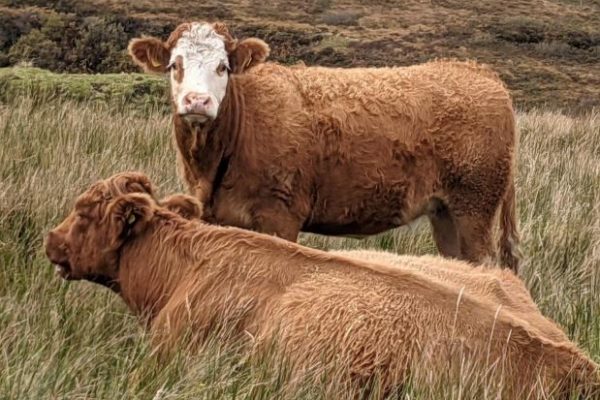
{"x": 77, "y": 340}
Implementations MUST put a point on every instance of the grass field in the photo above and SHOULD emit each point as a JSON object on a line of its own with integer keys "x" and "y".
{"x": 77, "y": 340}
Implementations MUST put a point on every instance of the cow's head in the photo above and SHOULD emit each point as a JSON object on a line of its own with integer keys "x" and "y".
{"x": 199, "y": 58}
{"x": 87, "y": 243}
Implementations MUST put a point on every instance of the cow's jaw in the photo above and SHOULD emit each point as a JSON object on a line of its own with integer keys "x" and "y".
{"x": 197, "y": 63}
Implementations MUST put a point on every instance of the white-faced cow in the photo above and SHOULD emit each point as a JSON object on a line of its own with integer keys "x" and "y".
{"x": 340, "y": 151}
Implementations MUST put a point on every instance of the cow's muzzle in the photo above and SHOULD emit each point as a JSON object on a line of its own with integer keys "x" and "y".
{"x": 197, "y": 107}
{"x": 57, "y": 254}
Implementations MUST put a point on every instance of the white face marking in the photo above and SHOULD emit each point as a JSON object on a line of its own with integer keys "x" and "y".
{"x": 202, "y": 53}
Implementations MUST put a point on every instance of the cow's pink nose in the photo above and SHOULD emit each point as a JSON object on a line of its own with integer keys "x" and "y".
{"x": 196, "y": 103}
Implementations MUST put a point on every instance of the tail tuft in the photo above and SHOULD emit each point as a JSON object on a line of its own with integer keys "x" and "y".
{"x": 509, "y": 236}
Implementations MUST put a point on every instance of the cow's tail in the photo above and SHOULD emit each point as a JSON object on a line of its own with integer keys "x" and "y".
{"x": 509, "y": 236}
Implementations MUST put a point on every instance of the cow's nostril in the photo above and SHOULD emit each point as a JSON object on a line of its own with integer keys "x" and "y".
{"x": 194, "y": 104}
{"x": 191, "y": 99}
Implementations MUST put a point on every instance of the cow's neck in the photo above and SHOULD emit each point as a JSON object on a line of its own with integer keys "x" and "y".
{"x": 175, "y": 257}
{"x": 153, "y": 265}
{"x": 228, "y": 124}
{"x": 206, "y": 149}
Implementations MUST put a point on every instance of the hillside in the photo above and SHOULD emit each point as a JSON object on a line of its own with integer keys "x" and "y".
{"x": 548, "y": 51}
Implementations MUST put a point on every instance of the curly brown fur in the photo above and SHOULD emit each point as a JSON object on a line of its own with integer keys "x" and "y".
{"x": 187, "y": 206}
{"x": 357, "y": 319}
{"x": 498, "y": 286}
{"x": 358, "y": 151}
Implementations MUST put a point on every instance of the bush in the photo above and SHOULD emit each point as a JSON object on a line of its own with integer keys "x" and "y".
{"x": 37, "y": 49}
{"x": 520, "y": 30}
{"x": 554, "y": 48}
{"x": 101, "y": 46}
{"x": 318, "y": 6}
{"x": 13, "y": 25}
{"x": 581, "y": 39}
{"x": 66, "y": 42}
{"x": 49, "y": 46}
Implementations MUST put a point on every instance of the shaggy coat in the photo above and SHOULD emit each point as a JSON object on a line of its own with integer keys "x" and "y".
{"x": 321, "y": 310}
{"x": 499, "y": 287}
{"x": 353, "y": 151}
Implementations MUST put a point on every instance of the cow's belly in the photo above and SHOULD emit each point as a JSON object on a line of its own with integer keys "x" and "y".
{"x": 353, "y": 229}
{"x": 365, "y": 215}
{"x": 361, "y": 201}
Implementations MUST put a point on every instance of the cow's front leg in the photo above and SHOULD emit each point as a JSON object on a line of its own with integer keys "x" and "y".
{"x": 277, "y": 220}
{"x": 202, "y": 190}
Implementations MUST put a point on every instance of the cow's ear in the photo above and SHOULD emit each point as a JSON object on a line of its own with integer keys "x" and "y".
{"x": 187, "y": 206}
{"x": 150, "y": 53}
{"x": 248, "y": 53}
{"x": 129, "y": 215}
{"x": 130, "y": 182}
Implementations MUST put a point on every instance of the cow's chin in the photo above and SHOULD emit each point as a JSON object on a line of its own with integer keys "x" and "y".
{"x": 63, "y": 271}
{"x": 197, "y": 120}
{"x": 105, "y": 281}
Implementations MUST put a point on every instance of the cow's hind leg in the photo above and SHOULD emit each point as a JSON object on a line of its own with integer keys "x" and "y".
{"x": 445, "y": 232}
{"x": 476, "y": 238}
{"x": 473, "y": 201}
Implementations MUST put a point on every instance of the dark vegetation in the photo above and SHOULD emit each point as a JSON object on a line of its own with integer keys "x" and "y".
{"x": 548, "y": 52}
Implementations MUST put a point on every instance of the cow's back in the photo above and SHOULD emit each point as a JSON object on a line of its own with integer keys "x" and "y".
{"x": 388, "y": 138}
{"x": 498, "y": 286}
{"x": 378, "y": 325}
{"x": 359, "y": 151}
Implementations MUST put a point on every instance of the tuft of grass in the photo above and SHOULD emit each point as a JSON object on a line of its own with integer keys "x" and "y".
{"x": 133, "y": 92}
{"x": 521, "y": 30}
{"x": 77, "y": 340}
{"x": 341, "y": 17}
{"x": 335, "y": 42}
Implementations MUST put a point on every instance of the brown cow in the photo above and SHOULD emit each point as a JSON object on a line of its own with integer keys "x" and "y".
{"x": 340, "y": 151}
{"x": 498, "y": 286}
{"x": 369, "y": 320}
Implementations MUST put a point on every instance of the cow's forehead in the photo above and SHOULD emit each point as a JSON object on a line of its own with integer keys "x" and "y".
{"x": 200, "y": 44}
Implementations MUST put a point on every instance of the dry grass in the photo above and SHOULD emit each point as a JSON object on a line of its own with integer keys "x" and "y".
{"x": 76, "y": 340}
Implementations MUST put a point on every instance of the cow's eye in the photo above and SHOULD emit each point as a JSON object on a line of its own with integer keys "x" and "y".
{"x": 221, "y": 68}
{"x": 83, "y": 216}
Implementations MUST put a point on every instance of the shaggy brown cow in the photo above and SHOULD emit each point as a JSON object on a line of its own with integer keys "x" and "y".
{"x": 496, "y": 285}
{"x": 369, "y": 320}
{"x": 340, "y": 151}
